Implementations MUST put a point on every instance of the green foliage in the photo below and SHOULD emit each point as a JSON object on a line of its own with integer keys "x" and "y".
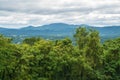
{"x": 31, "y": 40}
{"x": 112, "y": 59}
{"x": 4, "y": 41}
{"x": 39, "y": 59}
{"x": 81, "y": 37}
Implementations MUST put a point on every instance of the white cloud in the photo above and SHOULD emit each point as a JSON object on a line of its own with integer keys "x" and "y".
{"x": 20, "y": 13}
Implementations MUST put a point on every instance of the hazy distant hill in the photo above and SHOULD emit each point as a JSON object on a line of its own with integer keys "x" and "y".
{"x": 53, "y": 27}
{"x": 57, "y": 31}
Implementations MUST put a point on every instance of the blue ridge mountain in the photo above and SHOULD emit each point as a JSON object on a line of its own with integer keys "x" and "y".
{"x": 58, "y": 30}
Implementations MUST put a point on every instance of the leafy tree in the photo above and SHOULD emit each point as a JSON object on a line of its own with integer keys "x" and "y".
{"x": 90, "y": 48}
{"x": 7, "y": 59}
{"x": 112, "y": 59}
{"x": 81, "y": 37}
{"x": 31, "y": 40}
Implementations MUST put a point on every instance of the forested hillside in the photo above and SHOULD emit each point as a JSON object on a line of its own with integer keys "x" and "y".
{"x": 57, "y": 31}
{"x": 40, "y": 59}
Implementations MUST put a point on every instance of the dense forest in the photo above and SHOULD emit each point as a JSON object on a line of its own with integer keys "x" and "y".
{"x": 40, "y": 59}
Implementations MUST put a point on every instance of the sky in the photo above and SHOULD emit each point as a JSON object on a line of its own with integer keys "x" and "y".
{"x": 21, "y": 13}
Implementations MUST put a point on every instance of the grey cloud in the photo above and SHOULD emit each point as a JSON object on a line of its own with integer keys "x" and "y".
{"x": 44, "y": 11}
{"x": 36, "y": 7}
{"x": 39, "y": 12}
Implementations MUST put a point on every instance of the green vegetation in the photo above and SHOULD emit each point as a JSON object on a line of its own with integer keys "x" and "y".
{"x": 39, "y": 59}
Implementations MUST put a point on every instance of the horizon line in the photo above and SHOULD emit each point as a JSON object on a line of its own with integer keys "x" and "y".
{"x": 77, "y": 25}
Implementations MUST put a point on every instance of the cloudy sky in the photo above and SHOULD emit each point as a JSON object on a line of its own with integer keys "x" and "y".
{"x": 21, "y": 13}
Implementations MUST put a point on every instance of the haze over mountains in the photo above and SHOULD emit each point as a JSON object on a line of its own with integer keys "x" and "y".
{"x": 57, "y": 31}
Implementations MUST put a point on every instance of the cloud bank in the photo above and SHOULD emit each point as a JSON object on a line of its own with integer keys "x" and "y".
{"x": 20, "y": 13}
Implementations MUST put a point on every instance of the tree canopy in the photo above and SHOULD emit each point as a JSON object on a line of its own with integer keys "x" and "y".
{"x": 40, "y": 59}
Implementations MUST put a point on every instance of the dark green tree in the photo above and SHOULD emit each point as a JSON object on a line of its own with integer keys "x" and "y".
{"x": 112, "y": 59}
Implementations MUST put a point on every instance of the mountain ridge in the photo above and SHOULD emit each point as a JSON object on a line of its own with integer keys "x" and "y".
{"x": 57, "y": 31}
{"x": 59, "y": 24}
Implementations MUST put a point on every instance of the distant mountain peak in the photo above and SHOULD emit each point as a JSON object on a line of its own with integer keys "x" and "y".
{"x": 28, "y": 27}
{"x": 58, "y": 24}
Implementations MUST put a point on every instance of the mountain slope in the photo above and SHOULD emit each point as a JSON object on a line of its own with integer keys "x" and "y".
{"x": 57, "y": 31}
